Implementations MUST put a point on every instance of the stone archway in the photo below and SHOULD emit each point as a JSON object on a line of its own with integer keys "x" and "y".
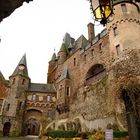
{"x": 6, "y": 128}
{"x": 130, "y": 95}
{"x": 32, "y": 127}
{"x": 97, "y": 71}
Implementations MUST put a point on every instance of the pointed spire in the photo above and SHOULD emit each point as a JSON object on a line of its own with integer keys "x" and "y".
{"x": 63, "y": 48}
{"x": 21, "y": 67}
{"x": 53, "y": 57}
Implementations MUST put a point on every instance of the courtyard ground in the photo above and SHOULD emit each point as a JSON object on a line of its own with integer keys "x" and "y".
{"x": 20, "y": 138}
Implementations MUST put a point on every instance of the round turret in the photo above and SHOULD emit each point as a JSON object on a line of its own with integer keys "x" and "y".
{"x": 124, "y": 28}
{"x": 62, "y": 54}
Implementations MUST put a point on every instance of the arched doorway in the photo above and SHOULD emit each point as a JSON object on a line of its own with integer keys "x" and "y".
{"x": 32, "y": 127}
{"x": 6, "y": 129}
{"x": 131, "y": 101}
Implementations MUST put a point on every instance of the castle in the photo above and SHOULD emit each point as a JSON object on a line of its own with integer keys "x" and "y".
{"x": 92, "y": 83}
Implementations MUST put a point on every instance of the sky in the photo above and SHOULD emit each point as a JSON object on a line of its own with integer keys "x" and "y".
{"x": 37, "y": 29}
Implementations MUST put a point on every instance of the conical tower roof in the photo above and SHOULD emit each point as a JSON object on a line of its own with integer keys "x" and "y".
{"x": 65, "y": 74}
{"x": 63, "y": 48}
{"x": 53, "y": 57}
{"x": 1, "y": 76}
{"x": 21, "y": 67}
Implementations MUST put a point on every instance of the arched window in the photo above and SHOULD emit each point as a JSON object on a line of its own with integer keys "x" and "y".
{"x": 94, "y": 71}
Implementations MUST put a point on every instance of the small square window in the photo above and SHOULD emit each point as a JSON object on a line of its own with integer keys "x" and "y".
{"x": 49, "y": 98}
{"x": 34, "y": 97}
{"x": 124, "y": 8}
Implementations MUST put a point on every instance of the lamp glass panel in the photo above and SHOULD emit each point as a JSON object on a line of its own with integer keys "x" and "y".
{"x": 95, "y": 4}
{"x": 107, "y": 11}
{"x": 102, "y": 12}
{"x": 97, "y": 13}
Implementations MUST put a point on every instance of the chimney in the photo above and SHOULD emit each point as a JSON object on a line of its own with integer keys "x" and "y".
{"x": 91, "y": 33}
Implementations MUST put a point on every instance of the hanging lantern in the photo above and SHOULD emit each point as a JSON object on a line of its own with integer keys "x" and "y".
{"x": 102, "y": 9}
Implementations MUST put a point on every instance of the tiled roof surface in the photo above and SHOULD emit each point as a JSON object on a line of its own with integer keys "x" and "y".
{"x": 37, "y": 87}
{"x": 65, "y": 74}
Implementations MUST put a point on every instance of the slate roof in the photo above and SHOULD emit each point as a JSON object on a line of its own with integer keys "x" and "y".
{"x": 63, "y": 48}
{"x": 53, "y": 57}
{"x": 1, "y": 76}
{"x": 65, "y": 74}
{"x": 81, "y": 42}
{"x": 21, "y": 62}
{"x": 38, "y": 87}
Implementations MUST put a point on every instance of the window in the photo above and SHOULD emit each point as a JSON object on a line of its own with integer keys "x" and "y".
{"x": 48, "y": 98}
{"x": 49, "y": 114}
{"x": 23, "y": 81}
{"x": 41, "y": 98}
{"x": 60, "y": 90}
{"x": 100, "y": 46}
{"x": 85, "y": 58}
{"x": 14, "y": 81}
{"x": 1, "y": 102}
{"x": 115, "y": 31}
{"x": 92, "y": 52}
{"x": 124, "y": 8}
{"x": 118, "y": 50}
{"x": 8, "y": 107}
{"x": 20, "y": 105}
{"x": 74, "y": 62}
{"x": 68, "y": 91}
{"x": 34, "y": 97}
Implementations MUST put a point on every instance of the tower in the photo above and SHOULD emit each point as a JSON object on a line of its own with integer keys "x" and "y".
{"x": 51, "y": 69}
{"x": 62, "y": 54}
{"x": 124, "y": 31}
{"x": 15, "y": 102}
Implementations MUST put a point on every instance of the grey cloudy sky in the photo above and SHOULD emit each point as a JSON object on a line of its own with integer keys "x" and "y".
{"x": 37, "y": 29}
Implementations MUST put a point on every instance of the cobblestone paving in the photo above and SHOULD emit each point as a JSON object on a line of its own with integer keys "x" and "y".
{"x": 18, "y": 138}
